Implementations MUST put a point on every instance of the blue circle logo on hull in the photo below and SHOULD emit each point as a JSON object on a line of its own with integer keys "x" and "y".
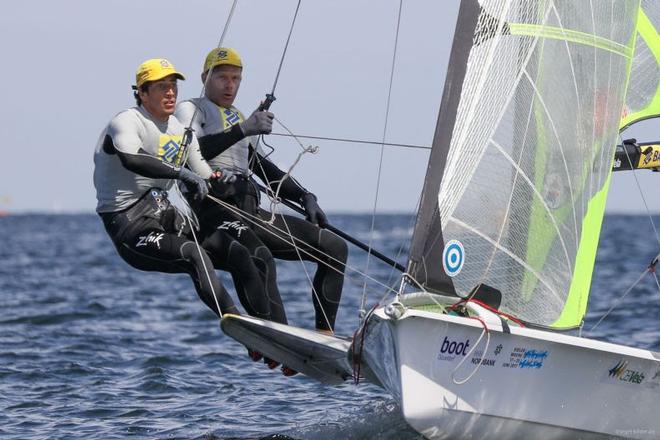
{"x": 453, "y": 257}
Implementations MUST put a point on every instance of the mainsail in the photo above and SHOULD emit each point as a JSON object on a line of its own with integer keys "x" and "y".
{"x": 643, "y": 95}
{"x": 514, "y": 197}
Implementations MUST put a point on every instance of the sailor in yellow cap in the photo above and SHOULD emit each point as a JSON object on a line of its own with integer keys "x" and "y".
{"x": 228, "y": 140}
{"x": 139, "y": 156}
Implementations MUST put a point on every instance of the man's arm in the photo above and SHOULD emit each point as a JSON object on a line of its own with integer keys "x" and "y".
{"x": 146, "y": 165}
{"x": 270, "y": 174}
{"x": 290, "y": 189}
{"x": 259, "y": 122}
{"x": 212, "y": 145}
{"x": 141, "y": 162}
{"x": 123, "y": 139}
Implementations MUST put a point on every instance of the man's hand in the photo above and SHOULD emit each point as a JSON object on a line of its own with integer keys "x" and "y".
{"x": 194, "y": 183}
{"x": 224, "y": 175}
{"x": 314, "y": 212}
{"x": 259, "y": 122}
{"x": 222, "y": 183}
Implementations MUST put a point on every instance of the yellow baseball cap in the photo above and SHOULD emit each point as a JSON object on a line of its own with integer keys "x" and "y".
{"x": 155, "y": 69}
{"x": 222, "y": 55}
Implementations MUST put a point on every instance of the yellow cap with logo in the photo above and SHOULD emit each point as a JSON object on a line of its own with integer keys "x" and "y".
{"x": 222, "y": 55}
{"x": 155, "y": 69}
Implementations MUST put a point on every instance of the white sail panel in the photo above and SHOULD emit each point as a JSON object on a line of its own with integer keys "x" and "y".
{"x": 532, "y": 147}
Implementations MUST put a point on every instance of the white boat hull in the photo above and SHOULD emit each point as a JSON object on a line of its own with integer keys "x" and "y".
{"x": 529, "y": 384}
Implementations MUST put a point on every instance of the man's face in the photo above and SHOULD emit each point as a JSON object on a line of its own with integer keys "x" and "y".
{"x": 160, "y": 97}
{"x": 223, "y": 84}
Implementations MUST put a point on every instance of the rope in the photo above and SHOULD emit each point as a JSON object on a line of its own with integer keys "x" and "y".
{"x": 275, "y": 198}
{"x": 469, "y": 354}
{"x": 618, "y": 300}
{"x": 259, "y": 222}
{"x": 641, "y": 193}
{"x": 380, "y": 163}
{"x": 309, "y": 279}
{"x": 487, "y": 307}
{"x": 402, "y": 277}
{"x": 189, "y": 128}
{"x": 187, "y": 138}
{"x": 199, "y": 248}
{"x": 286, "y": 47}
{"x": 206, "y": 269}
{"x": 357, "y": 353}
{"x": 355, "y": 141}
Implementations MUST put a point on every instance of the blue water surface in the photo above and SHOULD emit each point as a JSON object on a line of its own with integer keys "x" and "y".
{"x": 91, "y": 348}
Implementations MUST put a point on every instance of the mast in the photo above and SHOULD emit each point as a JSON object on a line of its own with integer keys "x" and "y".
{"x": 427, "y": 242}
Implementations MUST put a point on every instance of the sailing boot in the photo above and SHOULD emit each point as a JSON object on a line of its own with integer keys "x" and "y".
{"x": 272, "y": 364}
{"x": 288, "y": 372}
{"x": 254, "y": 355}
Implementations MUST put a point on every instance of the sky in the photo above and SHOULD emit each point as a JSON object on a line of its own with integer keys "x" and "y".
{"x": 68, "y": 67}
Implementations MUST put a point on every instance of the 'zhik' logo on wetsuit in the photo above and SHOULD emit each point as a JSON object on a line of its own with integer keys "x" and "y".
{"x": 233, "y": 225}
{"x": 153, "y": 237}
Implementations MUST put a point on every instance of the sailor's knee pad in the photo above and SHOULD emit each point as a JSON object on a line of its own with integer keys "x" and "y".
{"x": 263, "y": 254}
{"x": 190, "y": 253}
{"x": 239, "y": 255}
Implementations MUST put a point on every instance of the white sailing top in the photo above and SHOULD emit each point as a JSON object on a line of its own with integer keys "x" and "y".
{"x": 212, "y": 119}
{"x": 135, "y": 131}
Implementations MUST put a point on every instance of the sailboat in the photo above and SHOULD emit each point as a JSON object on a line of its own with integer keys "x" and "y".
{"x": 482, "y": 340}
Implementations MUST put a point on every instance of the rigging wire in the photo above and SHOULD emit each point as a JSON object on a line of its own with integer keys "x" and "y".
{"x": 363, "y": 301}
{"x": 199, "y": 250}
{"x": 265, "y": 105}
{"x": 259, "y": 222}
{"x": 354, "y": 141}
{"x": 270, "y": 97}
{"x": 309, "y": 279}
{"x": 641, "y": 193}
{"x": 407, "y": 241}
{"x": 185, "y": 142}
{"x": 651, "y": 267}
{"x": 275, "y": 195}
{"x": 189, "y": 130}
{"x": 618, "y": 300}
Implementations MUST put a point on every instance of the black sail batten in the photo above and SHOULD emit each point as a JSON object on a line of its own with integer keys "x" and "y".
{"x": 425, "y": 265}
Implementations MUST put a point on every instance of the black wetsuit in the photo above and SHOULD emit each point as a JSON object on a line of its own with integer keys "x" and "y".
{"x": 152, "y": 235}
{"x": 265, "y": 241}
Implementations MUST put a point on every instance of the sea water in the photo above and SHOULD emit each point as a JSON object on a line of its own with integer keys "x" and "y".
{"x": 91, "y": 348}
